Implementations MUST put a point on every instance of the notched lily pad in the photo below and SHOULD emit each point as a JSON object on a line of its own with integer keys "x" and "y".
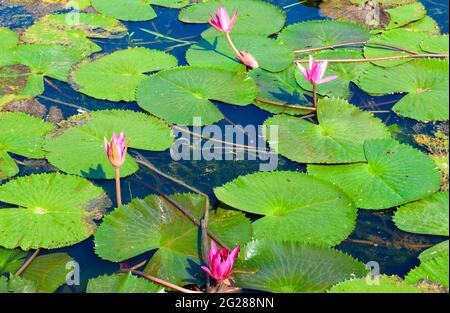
{"x": 126, "y": 10}
{"x": 121, "y": 283}
{"x": 384, "y": 284}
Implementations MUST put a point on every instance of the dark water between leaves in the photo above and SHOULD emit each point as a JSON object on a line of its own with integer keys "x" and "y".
{"x": 375, "y": 238}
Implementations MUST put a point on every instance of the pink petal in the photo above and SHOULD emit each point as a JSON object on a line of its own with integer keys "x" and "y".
{"x": 327, "y": 79}
{"x": 233, "y": 19}
{"x": 207, "y": 270}
{"x": 303, "y": 71}
{"x": 322, "y": 69}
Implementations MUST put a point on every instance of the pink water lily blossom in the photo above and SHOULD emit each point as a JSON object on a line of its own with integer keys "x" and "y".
{"x": 220, "y": 262}
{"x": 116, "y": 149}
{"x": 248, "y": 59}
{"x": 314, "y": 71}
{"x": 222, "y": 21}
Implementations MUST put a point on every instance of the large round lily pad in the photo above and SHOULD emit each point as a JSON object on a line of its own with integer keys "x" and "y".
{"x": 20, "y": 134}
{"x": 126, "y": 10}
{"x": 425, "y": 81}
{"x": 405, "y": 14}
{"x": 393, "y": 174}
{"x": 427, "y": 216}
{"x": 386, "y": 284}
{"x": 153, "y": 223}
{"x": 338, "y": 138}
{"x": 433, "y": 270}
{"x": 255, "y": 16}
{"x": 121, "y": 283}
{"x": 401, "y": 37}
{"x": 294, "y": 206}
{"x": 53, "y": 210}
{"x": 313, "y": 34}
{"x": 116, "y": 76}
{"x": 437, "y": 44}
{"x": 286, "y": 267}
{"x": 280, "y": 87}
{"x": 216, "y": 52}
{"x": 181, "y": 94}
{"x": 144, "y": 132}
{"x": 346, "y": 72}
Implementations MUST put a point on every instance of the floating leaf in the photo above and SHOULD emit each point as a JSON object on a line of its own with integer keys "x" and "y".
{"x": 290, "y": 267}
{"x": 425, "y": 81}
{"x": 216, "y": 52}
{"x": 313, "y": 34}
{"x": 43, "y": 60}
{"x": 434, "y": 270}
{"x": 280, "y": 87}
{"x": 435, "y": 251}
{"x": 48, "y": 271}
{"x": 11, "y": 260}
{"x": 294, "y": 206}
{"x": 54, "y": 210}
{"x": 20, "y": 134}
{"x": 427, "y": 216}
{"x": 255, "y": 17}
{"x": 437, "y": 44}
{"x": 393, "y": 174}
{"x": 181, "y": 94}
{"x": 73, "y": 31}
{"x": 346, "y": 73}
{"x": 121, "y": 283}
{"x": 116, "y": 76}
{"x": 338, "y": 138}
{"x": 126, "y": 10}
{"x": 176, "y": 4}
{"x": 384, "y": 284}
{"x": 16, "y": 284}
{"x": 404, "y": 38}
{"x": 426, "y": 24}
{"x": 405, "y": 14}
{"x": 144, "y": 132}
{"x": 8, "y": 39}
{"x": 153, "y": 223}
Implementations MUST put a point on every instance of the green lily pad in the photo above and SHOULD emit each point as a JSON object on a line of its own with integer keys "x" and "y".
{"x": 180, "y": 94}
{"x": 8, "y": 39}
{"x": 126, "y": 10}
{"x": 216, "y": 52}
{"x": 313, "y": 34}
{"x": 59, "y": 29}
{"x": 116, "y": 76}
{"x": 11, "y": 260}
{"x": 52, "y": 61}
{"x": 144, "y": 132}
{"x": 386, "y": 284}
{"x": 153, "y": 223}
{"x": 434, "y": 270}
{"x": 398, "y": 37}
{"x": 426, "y": 24}
{"x": 121, "y": 283}
{"x": 294, "y": 206}
{"x": 20, "y": 134}
{"x": 53, "y": 210}
{"x": 16, "y": 284}
{"x": 346, "y": 73}
{"x": 338, "y": 138}
{"x": 437, "y": 44}
{"x": 393, "y": 174}
{"x": 291, "y": 267}
{"x": 175, "y": 4}
{"x": 253, "y": 16}
{"x": 427, "y": 216}
{"x": 48, "y": 271}
{"x": 280, "y": 87}
{"x": 424, "y": 81}
{"x": 405, "y": 14}
{"x": 435, "y": 251}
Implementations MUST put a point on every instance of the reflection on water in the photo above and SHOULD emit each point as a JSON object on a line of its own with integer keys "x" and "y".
{"x": 375, "y": 237}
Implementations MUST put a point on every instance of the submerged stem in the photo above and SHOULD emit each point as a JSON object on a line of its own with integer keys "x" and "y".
{"x": 356, "y": 43}
{"x": 28, "y": 262}
{"x": 118, "y": 191}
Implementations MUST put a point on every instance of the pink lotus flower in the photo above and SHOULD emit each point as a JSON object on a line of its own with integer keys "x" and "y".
{"x": 314, "y": 72}
{"x": 220, "y": 262}
{"x": 116, "y": 149}
{"x": 248, "y": 59}
{"x": 222, "y": 20}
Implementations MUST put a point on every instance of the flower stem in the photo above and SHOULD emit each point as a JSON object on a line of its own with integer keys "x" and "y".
{"x": 118, "y": 191}
{"x": 235, "y": 50}
{"x": 27, "y": 262}
{"x": 315, "y": 95}
{"x": 395, "y": 57}
{"x": 285, "y": 105}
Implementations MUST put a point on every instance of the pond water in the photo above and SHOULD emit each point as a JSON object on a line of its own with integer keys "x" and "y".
{"x": 375, "y": 237}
